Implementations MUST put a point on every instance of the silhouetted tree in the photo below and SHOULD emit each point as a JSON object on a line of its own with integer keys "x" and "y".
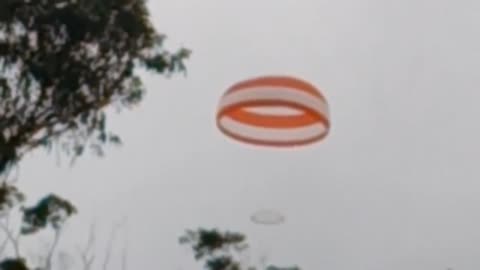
{"x": 215, "y": 247}
{"x": 219, "y": 249}
{"x": 63, "y": 61}
{"x": 51, "y": 211}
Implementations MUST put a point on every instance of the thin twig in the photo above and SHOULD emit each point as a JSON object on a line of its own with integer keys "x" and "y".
{"x": 13, "y": 240}
{"x": 48, "y": 265}
{"x": 124, "y": 257}
{"x": 125, "y": 250}
{"x": 86, "y": 260}
{"x": 3, "y": 246}
{"x": 5, "y": 241}
{"x": 110, "y": 244}
{"x": 109, "y": 249}
{"x": 8, "y": 172}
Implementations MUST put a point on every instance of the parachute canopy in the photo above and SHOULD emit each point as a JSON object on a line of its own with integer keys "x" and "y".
{"x": 274, "y": 111}
{"x": 267, "y": 217}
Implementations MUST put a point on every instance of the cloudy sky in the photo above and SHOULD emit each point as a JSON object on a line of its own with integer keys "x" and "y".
{"x": 395, "y": 186}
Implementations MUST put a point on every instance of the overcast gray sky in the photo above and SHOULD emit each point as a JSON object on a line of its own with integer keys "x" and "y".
{"x": 395, "y": 186}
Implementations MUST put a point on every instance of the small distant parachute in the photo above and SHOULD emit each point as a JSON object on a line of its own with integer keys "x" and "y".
{"x": 267, "y": 217}
{"x": 279, "y": 111}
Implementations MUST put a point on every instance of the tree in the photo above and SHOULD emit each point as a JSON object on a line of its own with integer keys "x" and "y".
{"x": 63, "y": 61}
{"x": 215, "y": 247}
{"x": 219, "y": 250}
{"x": 51, "y": 212}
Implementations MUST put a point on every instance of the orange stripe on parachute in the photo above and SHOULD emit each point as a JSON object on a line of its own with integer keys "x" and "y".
{"x": 277, "y": 81}
{"x": 238, "y": 113}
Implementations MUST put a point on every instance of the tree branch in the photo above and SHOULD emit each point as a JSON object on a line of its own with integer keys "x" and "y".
{"x": 97, "y": 105}
{"x": 124, "y": 257}
{"x": 86, "y": 260}
{"x": 48, "y": 265}
{"x": 125, "y": 251}
{"x": 5, "y": 241}
{"x": 12, "y": 238}
{"x": 110, "y": 244}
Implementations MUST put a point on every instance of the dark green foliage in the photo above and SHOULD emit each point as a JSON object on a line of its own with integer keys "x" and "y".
{"x": 62, "y": 62}
{"x": 13, "y": 264}
{"x": 10, "y": 196}
{"x": 222, "y": 263}
{"x": 217, "y": 249}
{"x": 208, "y": 243}
{"x": 51, "y": 210}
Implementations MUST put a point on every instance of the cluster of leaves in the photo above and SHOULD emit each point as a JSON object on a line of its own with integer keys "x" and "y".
{"x": 216, "y": 247}
{"x": 13, "y": 264}
{"x": 10, "y": 196}
{"x": 63, "y": 61}
{"x": 224, "y": 262}
{"x": 51, "y": 211}
{"x": 207, "y": 242}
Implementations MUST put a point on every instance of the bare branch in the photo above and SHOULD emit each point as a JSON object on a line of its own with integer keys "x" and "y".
{"x": 111, "y": 240}
{"x": 125, "y": 251}
{"x": 5, "y": 241}
{"x": 96, "y": 105}
{"x": 88, "y": 260}
{"x": 3, "y": 246}
{"x": 124, "y": 257}
{"x": 5, "y": 177}
{"x": 48, "y": 265}
{"x": 13, "y": 240}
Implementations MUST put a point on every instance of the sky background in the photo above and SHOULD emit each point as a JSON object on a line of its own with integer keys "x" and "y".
{"x": 395, "y": 186}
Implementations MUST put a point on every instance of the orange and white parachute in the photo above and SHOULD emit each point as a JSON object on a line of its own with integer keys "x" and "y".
{"x": 303, "y": 117}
